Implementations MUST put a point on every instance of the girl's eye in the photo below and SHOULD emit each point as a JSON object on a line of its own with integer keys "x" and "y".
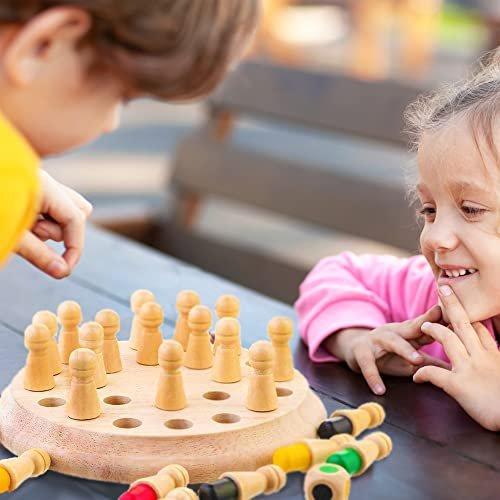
{"x": 426, "y": 212}
{"x": 472, "y": 211}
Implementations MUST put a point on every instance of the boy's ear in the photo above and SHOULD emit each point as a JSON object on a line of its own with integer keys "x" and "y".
{"x": 35, "y": 42}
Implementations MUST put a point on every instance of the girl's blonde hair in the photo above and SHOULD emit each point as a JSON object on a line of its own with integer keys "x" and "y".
{"x": 475, "y": 99}
{"x": 171, "y": 49}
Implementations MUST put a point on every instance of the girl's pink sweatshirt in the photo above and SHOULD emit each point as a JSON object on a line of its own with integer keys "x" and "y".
{"x": 348, "y": 291}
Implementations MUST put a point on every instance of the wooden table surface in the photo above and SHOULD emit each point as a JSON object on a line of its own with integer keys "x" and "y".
{"x": 439, "y": 452}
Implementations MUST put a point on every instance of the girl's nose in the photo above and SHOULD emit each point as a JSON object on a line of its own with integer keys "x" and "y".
{"x": 439, "y": 236}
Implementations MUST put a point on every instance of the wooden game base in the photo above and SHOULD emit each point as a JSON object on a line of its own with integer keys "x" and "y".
{"x": 132, "y": 438}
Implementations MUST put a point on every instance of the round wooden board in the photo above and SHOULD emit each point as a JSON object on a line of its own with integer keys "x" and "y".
{"x": 132, "y": 438}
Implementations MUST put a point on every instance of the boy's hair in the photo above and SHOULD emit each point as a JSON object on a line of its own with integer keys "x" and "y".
{"x": 171, "y": 49}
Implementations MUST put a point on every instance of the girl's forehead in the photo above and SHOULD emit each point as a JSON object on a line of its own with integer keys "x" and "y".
{"x": 458, "y": 160}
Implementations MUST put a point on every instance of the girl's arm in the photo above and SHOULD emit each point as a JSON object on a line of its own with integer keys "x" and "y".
{"x": 360, "y": 293}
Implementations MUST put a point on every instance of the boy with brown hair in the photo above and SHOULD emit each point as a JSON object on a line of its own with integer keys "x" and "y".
{"x": 66, "y": 67}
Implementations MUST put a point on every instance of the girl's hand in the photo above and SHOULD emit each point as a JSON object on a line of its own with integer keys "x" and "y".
{"x": 391, "y": 349}
{"x": 63, "y": 214}
{"x": 474, "y": 379}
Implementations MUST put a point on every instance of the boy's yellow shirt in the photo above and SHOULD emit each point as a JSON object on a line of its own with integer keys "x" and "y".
{"x": 19, "y": 187}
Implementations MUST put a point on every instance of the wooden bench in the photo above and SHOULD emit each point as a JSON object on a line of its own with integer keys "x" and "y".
{"x": 209, "y": 163}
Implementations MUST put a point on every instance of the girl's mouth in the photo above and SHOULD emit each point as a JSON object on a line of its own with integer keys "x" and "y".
{"x": 448, "y": 276}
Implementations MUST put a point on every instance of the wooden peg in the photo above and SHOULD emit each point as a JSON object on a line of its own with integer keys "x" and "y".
{"x": 376, "y": 446}
{"x": 170, "y": 393}
{"x": 69, "y": 315}
{"x": 137, "y": 300}
{"x": 261, "y": 395}
{"x": 265, "y": 480}
{"x": 280, "y": 331}
{"x": 228, "y": 306}
{"x": 170, "y": 477}
{"x": 366, "y": 416}
{"x": 110, "y": 322}
{"x": 83, "y": 400}
{"x": 304, "y": 454}
{"x": 327, "y": 481}
{"x": 182, "y": 494}
{"x": 49, "y": 319}
{"x": 31, "y": 463}
{"x": 38, "y": 372}
{"x": 186, "y": 300}
{"x": 199, "y": 354}
{"x": 227, "y": 367}
{"x": 150, "y": 338}
{"x": 92, "y": 337}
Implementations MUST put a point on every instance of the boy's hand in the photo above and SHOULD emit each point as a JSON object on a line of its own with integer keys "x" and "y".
{"x": 474, "y": 379}
{"x": 63, "y": 214}
{"x": 391, "y": 349}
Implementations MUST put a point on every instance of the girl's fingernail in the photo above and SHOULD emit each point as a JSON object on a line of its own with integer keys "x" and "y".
{"x": 445, "y": 290}
{"x": 379, "y": 389}
{"x": 425, "y": 325}
{"x": 416, "y": 356}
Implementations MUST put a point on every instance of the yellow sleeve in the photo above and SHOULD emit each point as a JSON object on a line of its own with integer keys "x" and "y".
{"x": 19, "y": 188}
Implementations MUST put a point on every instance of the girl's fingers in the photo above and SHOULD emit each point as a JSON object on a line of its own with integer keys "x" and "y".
{"x": 40, "y": 255}
{"x": 411, "y": 328}
{"x": 433, "y": 361}
{"x": 392, "y": 342}
{"x": 368, "y": 367}
{"x": 454, "y": 348}
{"x": 459, "y": 319}
{"x": 485, "y": 337}
{"x": 436, "y": 376}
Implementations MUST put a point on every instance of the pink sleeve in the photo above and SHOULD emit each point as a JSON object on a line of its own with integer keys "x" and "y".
{"x": 367, "y": 291}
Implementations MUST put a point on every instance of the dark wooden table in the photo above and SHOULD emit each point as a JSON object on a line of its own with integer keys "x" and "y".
{"x": 439, "y": 452}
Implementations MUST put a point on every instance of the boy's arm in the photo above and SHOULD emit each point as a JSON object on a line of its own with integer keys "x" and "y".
{"x": 63, "y": 214}
{"x": 360, "y": 293}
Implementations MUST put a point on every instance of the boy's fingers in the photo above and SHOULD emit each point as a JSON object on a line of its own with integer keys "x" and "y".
{"x": 437, "y": 376}
{"x": 83, "y": 204}
{"x": 392, "y": 342}
{"x": 48, "y": 230}
{"x": 368, "y": 367}
{"x": 454, "y": 348}
{"x": 74, "y": 238}
{"x": 485, "y": 336}
{"x": 458, "y": 318}
{"x": 40, "y": 255}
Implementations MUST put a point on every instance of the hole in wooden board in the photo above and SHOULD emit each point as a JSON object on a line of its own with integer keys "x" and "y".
{"x": 226, "y": 418}
{"x": 178, "y": 423}
{"x": 127, "y": 423}
{"x": 283, "y": 392}
{"x": 216, "y": 395}
{"x": 52, "y": 402}
{"x": 117, "y": 400}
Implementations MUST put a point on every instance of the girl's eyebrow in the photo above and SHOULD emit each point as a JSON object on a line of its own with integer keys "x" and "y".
{"x": 460, "y": 187}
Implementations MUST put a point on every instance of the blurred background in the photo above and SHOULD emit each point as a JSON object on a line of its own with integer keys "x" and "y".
{"x": 299, "y": 154}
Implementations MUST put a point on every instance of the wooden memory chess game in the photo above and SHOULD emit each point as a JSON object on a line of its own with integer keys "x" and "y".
{"x": 132, "y": 437}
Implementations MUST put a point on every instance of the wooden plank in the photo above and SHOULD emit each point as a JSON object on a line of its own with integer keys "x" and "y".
{"x": 320, "y": 100}
{"x": 330, "y": 198}
{"x": 275, "y": 278}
